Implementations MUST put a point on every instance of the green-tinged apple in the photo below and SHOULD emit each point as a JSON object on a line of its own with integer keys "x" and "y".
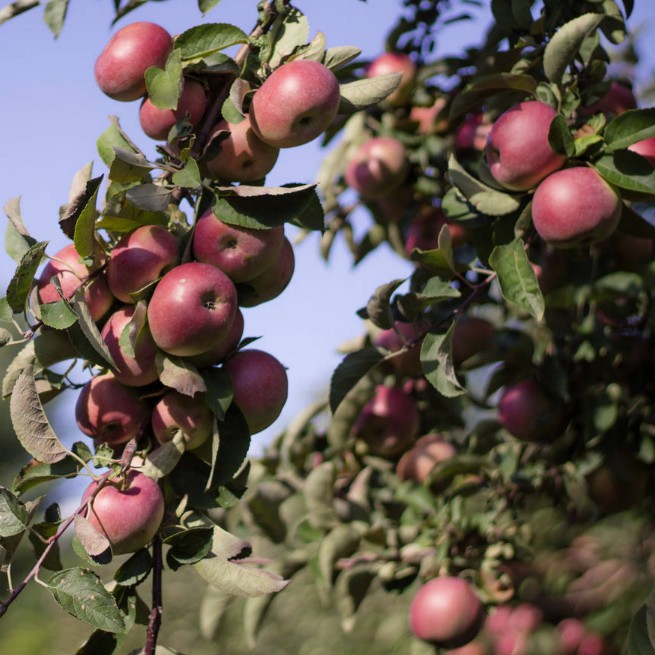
{"x": 260, "y": 386}
{"x": 157, "y": 123}
{"x": 295, "y": 104}
{"x": 189, "y": 414}
{"x": 242, "y": 253}
{"x": 132, "y": 370}
{"x": 417, "y": 462}
{"x": 395, "y": 62}
{"x": 518, "y": 153}
{"x": 223, "y": 347}
{"x": 446, "y": 612}
{"x": 128, "y": 511}
{"x": 71, "y": 273}
{"x": 140, "y": 258}
{"x": 121, "y": 66}
{"x": 110, "y": 412}
{"x": 192, "y": 308}
{"x": 243, "y": 156}
{"x": 471, "y": 335}
{"x": 377, "y": 168}
{"x": 575, "y": 207}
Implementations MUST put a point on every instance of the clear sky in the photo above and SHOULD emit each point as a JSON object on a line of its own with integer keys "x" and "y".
{"x": 52, "y": 113}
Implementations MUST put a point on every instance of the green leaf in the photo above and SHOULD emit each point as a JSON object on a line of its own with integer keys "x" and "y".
{"x": 205, "y": 5}
{"x": 437, "y": 363}
{"x": 342, "y": 541}
{"x": 135, "y": 570}
{"x": 20, "y": 285}
{"x": 627, "y": 170}
{"x": 232, "y": 109}
{"x": 341, "y": 55}
{"x": 639, "y": 641}
{"x": 6, "y": 314}
{"x": 17, "y": 239}
{"x": 58, "y": 314}
{"x": 231, "y": 450}
{"x": 164, "y": 85}
{"x": 189, "y": 176}
{"x": 565, "y": 44}
{"x": 95, "y": 543}
{"x": 35, "y": 472}
{"x": 13, "y": 514}
{"x": 367, "y": 92}
{"x": 517, "y": 279}
{"x": 112, "y": 138}
{"x": 81, "y": 593}
{"x": 89, "y": 328}
{"x": 85, "y": 237}
{"x": 378, "y": 307}
{"x": 292, "y": 32}
{"x": 188, "y": 546}
{"x": 55, "y": 14}
{"x": 128, "y": 166}
{"x": 202, "y": 41}
{"x": 350, "y": 590}
{"x": 219, "y": 391}
{"x": 179, "y": 374}
{"x": 560, "y": 138}
{"x": 352, "y": 368}
{"x": 629, "y": 127}
{"x": 436, "y": 289}
{"x": 150, "y": 197}
{"x": 164, "y": 458}
{"x": 78, "y": 205}
{"x": 319, "y": 496}
{"x": 99, "y": 643}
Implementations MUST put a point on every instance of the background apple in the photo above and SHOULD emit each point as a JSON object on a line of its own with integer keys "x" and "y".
{"x": 423, "y": 231}
{"x": 395, "y": 339}
{"x": 395, "y": 62}
{"x": 473, "y": 133}
{"x": 190, "y": 414}
{"x": 425, "y": 454}
{"x": 295, "y": 104}
{"x": 618, "y": 99}
{"x": 645, "y": 148}
{"x": 471, "y": 335}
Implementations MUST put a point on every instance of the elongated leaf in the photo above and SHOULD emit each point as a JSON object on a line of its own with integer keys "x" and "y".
{"x": 20, "y": 284}
{"x": 353, "y": 367}
{"x": 437, "y": 363}
{"x": 111, "y": 139}
{"x": 230, "y": 448}
{"x": 340, "y": 542}
{"x": 319, "y": 496}
{"x": 55, "y": 15}
{"x": 17, "y": 239}
{"x": 339, "y": 56}
{"x": 203, "y": 41}
{"x": 13, "y": 514}
{"x": 134, "y": 570}
{"x": 81, "y": 593}
{"x": 367, "y": 92}
{"x": 219, "y": 391}
{"x": 89, "y": 328}
{"x": 292, "y": 33}
{"x": 627, "y": 170}
{"x": 639, "y": 641}
{"x": 378, "y": 307}
{"x": 150, "y": 197}
{"x": 560, "y": 138}
{"x": 87, "y": 194}
{"x": 350, "y": 590}
{"x": 179, "y": 374}
{"x": 629, "y": 127}
{"x": 163, "y": 459}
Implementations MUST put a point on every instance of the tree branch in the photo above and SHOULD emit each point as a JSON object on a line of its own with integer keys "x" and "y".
{"x": 154, "y": 621}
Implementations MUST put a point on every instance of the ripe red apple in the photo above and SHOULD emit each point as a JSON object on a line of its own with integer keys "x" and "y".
{"x": 223, "y": 347}
{"x": 272, "y": 282}
{"x": 388, "y": 423}
{"x": 409, "y": 362}
{"x": 157, "y": 123}
{"x": 395, "y": 62}
{"x": 241, "y": 253}
{"x": 423, "y": 231}
{"x": 139, "y": 258}
{"x": 618, "y": 99}
{"x": 260, "y": 386}
{"x": 473, "y": 133}
{"x": 127, "y": 511}
{"x": 121, "y": 66}
{"x": 111, "y": 412}
{"x": 571, "y": 632}
{"x": 71, "y": 273}
{"x": 136, "y": 371}
{"x": 472, "y": 335}
{"x": 575, "y": 207}
{"x": 192, "y": 308}
{"x": 295, "y": 104}
{"x": 518, "y": 152}
{"x": 446, "y": 612}
{"x": 472, "y": 648}
{"x": 244, "y": 157}
{"x": 190, "y": 414}
{"x": 378, "y": 167}
{"x": 529, "y": 413}
{"x": 645, "y": 148}
{"x": 425, "y": 454}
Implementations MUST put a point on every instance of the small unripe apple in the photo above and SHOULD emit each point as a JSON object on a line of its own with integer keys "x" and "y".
{"x": 295, "y": 104}
{"x": 223, "y": 347}
{"x": 471, "y": 335}
{"x": 111, "y": 412}
{"x": 243, "y": 157}
{"x": 446, "y": 612}
{"x": 425, "y": 454}
{"x": 190, "y": 414}
{"x": 71, "y": 274}
{"x": 395, "y": 62}
{"x": 128, "y": 512}
{"x": 192, "y": 308}
{"x": 518, "y": 152}
{"x": 645, "y": 148}
{"x": 575, "y": 207}
{"x": 157, "y": 123}
{"x": 378, "y": 167}
{"x": 121, "y": 66}
{"x": 260, "y": 386}
{"x": 242, "y": 253}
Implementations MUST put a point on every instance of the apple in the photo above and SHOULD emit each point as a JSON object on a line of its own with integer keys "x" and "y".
{"x": 121, "y": 66}
{"x": 645, "y": 148}
{"x": 591, "y": 644}
{"x": 473, "y": 133}
{"x": 110, "y": 412}
{"x": 618, "y": 484}
{"x": 425, "y": 454}
{"x": 575, "y": 207}
{"x": 260, "y": 386}
{"x": 242, "y": 253}
{"x": 472, "y": 648}
{"x": 192, "y": 308}
{"x": 525, "y": 618}
{"x": 128, "y": 511}
{"x": 223, "y": 347}
{"x": 471, "y": 335}
{"x": 157, "y": 123}
{"x": 426, "y": 117}
{"x": 423, "y": 231}
{"x": 518, "y": 152}
{"x": 139, "y": 258}
{"x": 133, "y": 371}
{"x": 243, "y": 157}
{"x": 388, "y": 423}
{"x": 571, "y": 632}
{"x": 526, "y": 411}
{"x": 395, "y": 339}
{"x": 190, "y": 414}
{"x": 395, "y": 62}
{"x": 446, "y": 612}
{"x": 295, "y": 104}
{"x": 618, "y": 99}
{"x": 377, "y": 168}
{"x": 272, "y": 282}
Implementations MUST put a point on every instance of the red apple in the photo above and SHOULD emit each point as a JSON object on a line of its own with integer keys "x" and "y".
{"x": 127, "y": 511}
{"x": 72, "y": 273}
{"x": 111, "y": 412}
{"x": 472, "y": 648}
{"x": 473, "y": 133}
{"x": 518, "y": 152}
{"x": 223, "y": 347}
{"x": 243, "y": 157}
{"x": 395, "y": 62}
{"x": 192, "y": 308}
{"x": 139, "y": 258}
{"x": 645, "y": 148}
{"x": 260, "y": 386}
{"x": 618, "y": 99}
{"x": 426, "y": 117}
{"x": 472, "y": 335}
{"x": 241, "y": 253}
{"x": 425, "y": 454}
{"x": 377, "y": 168}
{"x": 121, "y": 66}
{"x": 446, "y": 612}
{"x": 157, "y": 123}
{"x": 423, "y": 231}
{"x": 133, "y": 371}
{"x": 190, "y": 414}
{"x": 571, "y": 632}
{"x": 295, "y": 104}
{"x": 575, "y": 207}
{"x": 395, "y": 339}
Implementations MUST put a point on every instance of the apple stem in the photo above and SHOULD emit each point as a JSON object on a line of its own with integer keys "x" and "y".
{"x": 154, "y": 621}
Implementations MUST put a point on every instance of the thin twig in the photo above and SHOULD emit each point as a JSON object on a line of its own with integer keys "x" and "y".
{"x": 154, "y": 621}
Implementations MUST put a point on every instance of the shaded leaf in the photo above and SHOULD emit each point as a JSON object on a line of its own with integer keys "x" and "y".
{"x": 20, "y": 284}
{"x": 188, "y": 547}
{"x": 639, "y": 641}
{"x": 163, "y": 459}
{"x": 77, "y": 205}
{"x": 99, "y": 642}
{"x": 342, "y": 541}
{"x": 89, "y": 328}
{"x": 134, "y": 570}
{"x": 560, "y": 138}
{"x": 378, "y": 308}
{"x": 35, "y": 472}
{"x": 179, "y": 374}
{"x": 629, "y": 127}
{"x": 627, "y": 170}
{"x": 437, "y": 363}
{"x": 151, "y": 197}
{"x": 366, "y": 92}
{"x": 231, "y": 446}
{"x": 350, "y": 590}
{"x": 352, "y": 368}
{"x": 205, "y": 5}
{"x": 219, "y": 391}
{"x": 319, "y": 496}
{"x": 13, "y": 514}
{"x": 189, "y": 176}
